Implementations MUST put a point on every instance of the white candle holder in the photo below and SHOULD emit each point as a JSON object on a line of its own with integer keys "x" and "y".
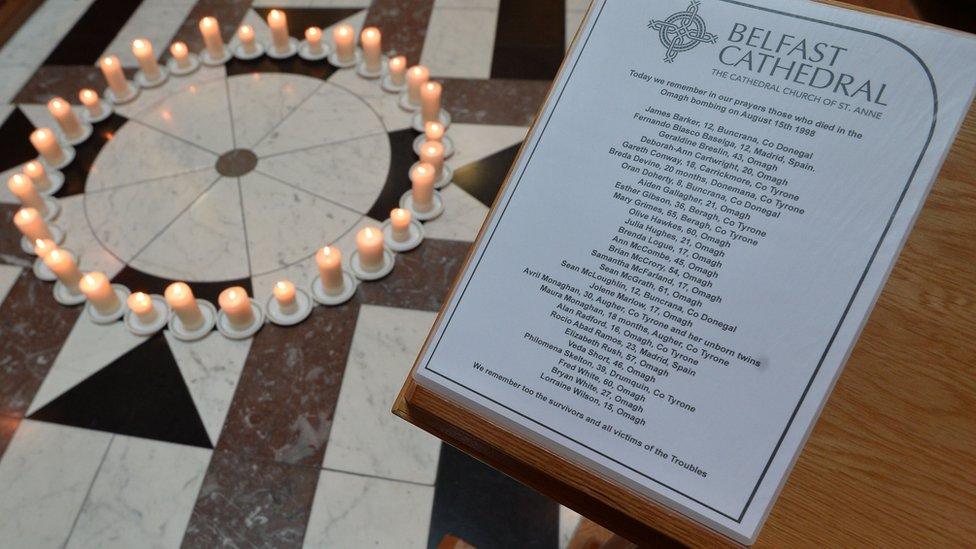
{"x": 57, "y": 235}
{"x": 86, "y": 132}
{"x": 144, "y": 82}
{"x": 389, "y": 87}
{"x": 304, "y": 51}
{"x": 176, "y": 70}
{"x": 122, "y": 293}
{"x": 356, "y": 59}
{"x": 68, "y": 156}
{"x": 445, "y": 140}
{"x": 243, "y": 55}
{"x": 447, "y": 175}
{"x": 443, "y": 117}
{"x": 212, "y": 62}
{"x": 230, "y": 332}
{"x": 363, "y": 72}
{"x": 292, "y": 50}
{"x": 281, "y": 318}
{"x": 64, "y": 296}
{"x": 406, "y": 105}
{"x": 416, "y": 236}
{"x": 42, "y": 271}
{"x": 406, "y": 202}
{"x": 131, "y": 93}
{"x": 140, "y": 328}
{"x": 180, "y": 332}
{"x": 362, "y": 274}
{"x": 349, "y": 285}
{"x": 52, "y": 206}
{"x": 57, "y": 181}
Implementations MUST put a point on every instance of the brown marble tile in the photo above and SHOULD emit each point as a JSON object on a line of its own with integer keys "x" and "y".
{"x": 285, "y": 400}
{"x": 247, "y": 502}
{"x": 32, "y": 331}
{"x": 229, "y": 14}
{"x": 8, "y": 426}
{"x": 421, "y": 278}
{"x": 404, "y": 25}
{"x": 10, "y": 250}
{"x": 502, "y": 102}
{"x": 64, "y": 81}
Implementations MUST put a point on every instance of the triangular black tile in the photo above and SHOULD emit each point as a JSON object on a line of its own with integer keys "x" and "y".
{"x": 15, "y": 146}
{"x": 483, "y": 178}
{"x": 76, "y": 173}
{"x": 398, "y": 178}
{"x": 142, "y": 394}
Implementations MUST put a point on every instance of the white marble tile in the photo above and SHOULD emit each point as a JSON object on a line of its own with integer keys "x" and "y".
{"x": 356, "y": 511}
{"x": 198, "y": 115}
{"x": 126, "y": 218}
{"x": 8, "y": 276}
{"x": 260, "y": 101}
{"x": 467, "y": 4}
{"x": 476, "y": 141}
{"x": 460, "y": 43}
{"x": 81, "y": 240}
{"x": 142, "y": 496}
{"x": 331, "y": 114}
{"x": 41, "y": 33}
{"x": 385, "y": 105}
{"x": 14, "y": 78}
{"x": 462, "y": 217}
{"x": 44, "y": 476}
{"x": 154, "y": 20}
{"x": 351, "y": 173}
{"x": 88, "y": 348}
{"x": 568, "y": 521}
{"x": 366, "y": 438}
{"x": 285, "y": 224}
{"x": 573, "y": 20}
{"x": 211, "y": 368}
{"x": 149, "y": 98}
{"x": 577, "y": 5}
{"x": 140, "y": 153}
{"x": 206, "y": 243}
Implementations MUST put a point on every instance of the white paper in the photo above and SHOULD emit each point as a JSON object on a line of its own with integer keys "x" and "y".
{"x": 693, "y": 236}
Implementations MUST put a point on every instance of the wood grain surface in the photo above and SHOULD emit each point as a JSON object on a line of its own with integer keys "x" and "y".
{"x": 892, "y": 460}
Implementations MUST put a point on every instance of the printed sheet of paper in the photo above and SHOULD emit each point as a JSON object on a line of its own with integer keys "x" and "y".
{"x": 695, "y": 233}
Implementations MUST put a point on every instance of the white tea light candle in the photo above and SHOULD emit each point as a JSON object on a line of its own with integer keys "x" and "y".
{"x": 112, "y": 71}
{"x": 47, "y": 146}
{"x": 371, "y": 39}
{"x": 422, "y": 178}
{"x": 210, "y": 31}
{"x": 99, "y": 293}
{"x": 180, "y": 298}
{"x": 31, "y": 224}
{"x": 400, "y": 224}
{"x": 66, "y": 118}
{"x": 23, "y": 188}
{"x": 345, "y": 42}
{"x": 417, "y": 76}
{"x": 143, "y": 51}
{"x": 236, "y": 305}
{"x": 142, "y": 306}
{"x": 369, "y": 244}
{"x": 329, "y": 261}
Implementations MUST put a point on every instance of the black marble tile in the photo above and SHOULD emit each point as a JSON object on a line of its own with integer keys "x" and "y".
{"x": 483, "y": 178}
{"x": 76, "y": 173}
{"x": 488, "y": 509}
{"x": 398, "y": 178}
{"x": 93, "y": 32}
{"x": 15, "y": 147}
{"x": 139, "y": 281}
{"x": 142, "y": 394}
{"x": 294, "y": 65}
{"x": 529, "y": 39}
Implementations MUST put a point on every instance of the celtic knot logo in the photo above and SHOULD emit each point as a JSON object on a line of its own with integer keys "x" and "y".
{"x": 682, "y": 31}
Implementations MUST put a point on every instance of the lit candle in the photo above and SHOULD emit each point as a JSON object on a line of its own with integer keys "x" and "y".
{"x": 329, "y": 260}
{"x": 422, "y": 178}
{"x": 400, "y": 224}
{"x": 47, "y": 146}
{"x": 43, "y": 247}
{"x": 181, "y": 54}
{"x": 36, "y": 172}
{"x": 369, "y": 242}
{"x": 30, "y": 223}
{"x": 372, "y": 50}
{"x": 246, "y": 35}
{"x": 345, "y": 41}
{"x": 180, "y": 298}
{"x": 210, "y": 31}
{"x": 142, "y": 306}
{"x": 432, "y": 152}
{"x": 64, "y": 267}
{"x": 313, "y": 35}
{"x": 143, "y": 51}
{"x": 237, "y": 306}
{"x": 91, "y": 101}
{"x": 284, "y": 292}
{"x": 66, "y": 118}
{"x": 398, "y": 70}
{"x": 279, "y": 30}
{"x": 433, "y": 131}
{"x": 430, "y": 101}
{"x": 23, "y": 189}
{"x": 112, "y": 70}
{"x": 417, "y": 76}
{"x": 99, "y": 292}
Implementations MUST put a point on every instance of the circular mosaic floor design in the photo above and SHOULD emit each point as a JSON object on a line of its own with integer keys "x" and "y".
{"x": 236, "y": 177}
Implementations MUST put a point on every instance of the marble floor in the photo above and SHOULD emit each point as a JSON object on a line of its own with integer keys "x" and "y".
{"x": 284, "y": 439}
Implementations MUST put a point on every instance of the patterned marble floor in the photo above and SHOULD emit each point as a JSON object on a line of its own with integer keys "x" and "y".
{"x": 285, "y": 439}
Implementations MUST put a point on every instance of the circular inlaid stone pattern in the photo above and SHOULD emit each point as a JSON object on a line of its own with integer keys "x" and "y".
{"x": 236, "y": 177}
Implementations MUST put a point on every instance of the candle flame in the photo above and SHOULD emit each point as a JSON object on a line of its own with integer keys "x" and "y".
{"x": 88, "y": 96}
{"x": 312, "y": 33}
{"x": 245, "y": 32}
{"x": 88, "y": 280}
{"x": 139, "y": 44}
{"x": 371, "y": 32}
{"x": 398, "y": 62}
{"x": 27, "y": 214}
{"x": 343, "y": 30}
{"x": 55, "y": 255}
{"x": 431, "y": 86}
{"x": 34, "y": 168}
{"x": 275, "y": 14}
{"x": 17, "y": 180}
{"x": 208, "y": 21}
{"x": 108, "y": 61}
{"x": 281, "y": 285}
{"x": 178, "y": 48}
